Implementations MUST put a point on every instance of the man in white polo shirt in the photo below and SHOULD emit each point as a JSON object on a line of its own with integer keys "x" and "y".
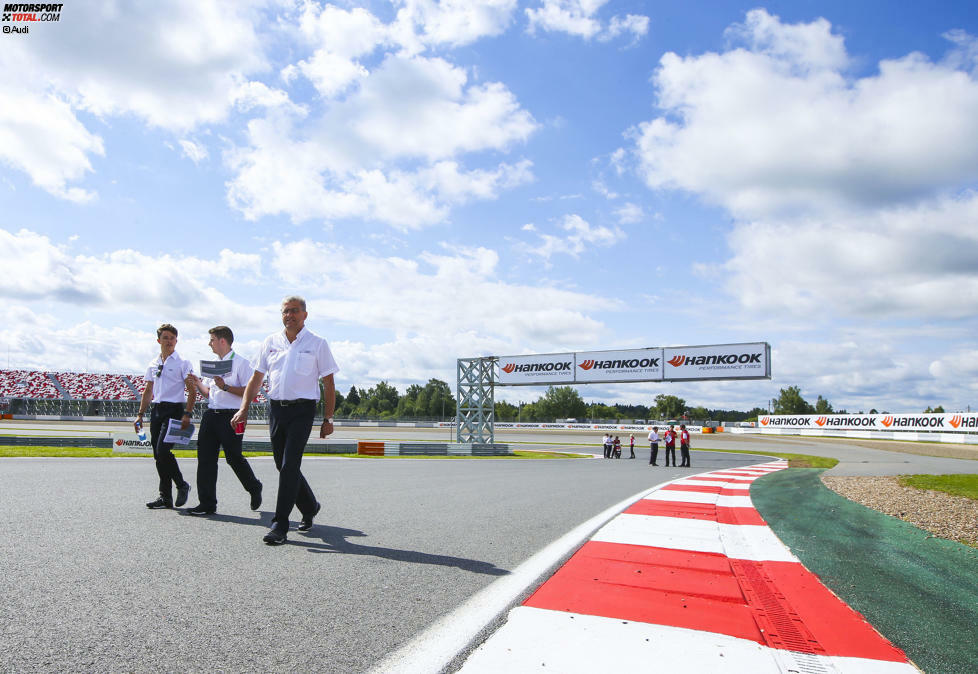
{"x": 223, "y": 400}
{"x": 172, "y": 398}
{"x": 295, "y": 360}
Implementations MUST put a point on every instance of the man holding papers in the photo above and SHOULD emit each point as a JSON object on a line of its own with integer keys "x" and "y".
{"x": 296, "y": 361}
{"x": 172, "y": 399}
{"x": 225, "y": 383}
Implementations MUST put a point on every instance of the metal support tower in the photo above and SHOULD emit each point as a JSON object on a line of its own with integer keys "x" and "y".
{"x": 475, "y": 413}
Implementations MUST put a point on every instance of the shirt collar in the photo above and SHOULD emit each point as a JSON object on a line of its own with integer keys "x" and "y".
{"x": 298, "y": 336}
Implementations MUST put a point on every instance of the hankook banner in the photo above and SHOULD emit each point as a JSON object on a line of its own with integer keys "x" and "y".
{"x": 686, "y": 363}
{"x": 554, "y": 368}
{"x": 966, "y": 422}
{"x": 719, "y": 361}
{"x": 615, "y": 366}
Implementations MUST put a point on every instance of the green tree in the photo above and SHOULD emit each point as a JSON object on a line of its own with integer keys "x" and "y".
{"x": 937, "y": 410}
{"x": 789, "y": 401}
{"x": 822, "y": 406}
{"x": 700, "y": 413}
{"x": 560, "y": 402}
{"x": 381, "y": 400}
{"x": 668, "y": 407}
{"x": 438, "y": 399}
{"x": 505, "y": 411}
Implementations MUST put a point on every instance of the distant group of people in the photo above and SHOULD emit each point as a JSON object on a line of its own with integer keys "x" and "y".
{"x": 295, "y": 361}
{"x": 669, "y": 437}
{"x": 612, "y": 446}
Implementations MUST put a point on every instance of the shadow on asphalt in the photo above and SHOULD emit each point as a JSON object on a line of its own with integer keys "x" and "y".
{"x": 334, "y": 541}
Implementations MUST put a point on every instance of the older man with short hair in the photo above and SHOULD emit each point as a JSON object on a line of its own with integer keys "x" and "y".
{"x": 295, "y": 360}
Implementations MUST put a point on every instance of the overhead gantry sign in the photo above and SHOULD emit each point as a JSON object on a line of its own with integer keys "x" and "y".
{"x": 478, "y": 376}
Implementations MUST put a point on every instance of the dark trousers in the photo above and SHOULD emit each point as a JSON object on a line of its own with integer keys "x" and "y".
{"x": 216, "y": 433}
{"x": 166, "y": 463}
{"x": 684, "y": 452}
{"x": 289, "y": 427}
{"x": 607, "y": 451}
{"x": 631, "y": 448}
{"x": 655, "y": 452}
{"x": 671, "y": 451}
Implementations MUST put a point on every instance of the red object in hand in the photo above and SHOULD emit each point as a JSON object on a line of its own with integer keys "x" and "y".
{"x": 239, "y": 428}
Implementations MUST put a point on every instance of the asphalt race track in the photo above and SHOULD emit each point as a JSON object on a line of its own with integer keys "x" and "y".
{"x": 93, "y": 581}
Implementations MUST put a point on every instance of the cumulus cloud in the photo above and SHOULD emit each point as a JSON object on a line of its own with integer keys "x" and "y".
{"x": 389, "y": 151}
{"x": 39, "y": 269}
{"x": 777, "y": 127}
{"x": 580, "y": 236}
{"x": 456, "y": 290}
{"x": 192, "y": 150}
{"x": 577, "y": 17}
{"x": 849, "y": 195}
{"x": 41, "y": 136}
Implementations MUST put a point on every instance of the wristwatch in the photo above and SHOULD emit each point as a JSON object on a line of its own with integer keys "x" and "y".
{"x": 329, "y": 420}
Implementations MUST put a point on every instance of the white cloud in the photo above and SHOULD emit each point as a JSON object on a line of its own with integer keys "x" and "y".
{"x": 388, "y": 152}
{"x": 779, "y": 128}
{"x": 631, "y": 24}
{"x": 580, "y": 237}
{"x": 175, "y": 65}
{"x": 41, "y": 136}
{"x": 193, "y": 151}
{"x": 900, "y": 262}
{"x": 38, "y": 269}
{"x": 457, "y": 291}
{"x": 630, "y": 214}
{"x": 454, "y": 23}
{"x": 847, "y": 194}
{"x": 577, "y": 17}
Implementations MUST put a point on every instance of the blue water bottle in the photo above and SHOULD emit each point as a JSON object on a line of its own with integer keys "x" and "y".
{"x": 141, "y": 432}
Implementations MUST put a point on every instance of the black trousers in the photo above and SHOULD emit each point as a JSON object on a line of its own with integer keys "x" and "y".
{"x": 684, "y": 452}
{"x": 655, "y": 452}
{"x": 216, "y": 433}
{"x": 607, "y": 451}
{"x": 671, "y": 451}
{"x": 166, "y": 463}
{"x": 289, "y": 427}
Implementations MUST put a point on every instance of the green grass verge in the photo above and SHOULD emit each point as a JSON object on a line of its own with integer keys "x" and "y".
{"x": 97, "y": 452}
{"x": 956, "y": 485}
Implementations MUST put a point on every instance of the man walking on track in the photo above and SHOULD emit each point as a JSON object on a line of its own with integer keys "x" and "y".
{"x": 671, "y": 446}
{"x": 654, "y": 444}
{"x": 172, "y": 398}
{"x": 223, "y": 400}
{"x": 683, "y": 446}
{"x": 296, "y": 361}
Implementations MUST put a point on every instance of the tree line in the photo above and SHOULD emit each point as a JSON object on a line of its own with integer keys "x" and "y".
{"x": 435, "y": 400}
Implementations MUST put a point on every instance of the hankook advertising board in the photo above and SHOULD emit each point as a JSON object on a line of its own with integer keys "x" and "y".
{"x": 551, "y": 368}
{"x": 616, "y": 366}
{"x": 719, "y": 361}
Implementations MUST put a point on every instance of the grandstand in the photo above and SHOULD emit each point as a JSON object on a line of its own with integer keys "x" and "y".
{"x": 36, "y": 385}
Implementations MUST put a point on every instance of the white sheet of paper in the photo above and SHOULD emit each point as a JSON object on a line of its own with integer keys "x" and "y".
{"x": 177, "y": 435}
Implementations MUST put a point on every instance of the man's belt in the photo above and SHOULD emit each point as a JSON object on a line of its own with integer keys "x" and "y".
{"x": 297, "y": 401}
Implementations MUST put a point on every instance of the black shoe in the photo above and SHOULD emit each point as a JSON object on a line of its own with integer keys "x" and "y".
{"x": 275, "y": 537}
{"x": 159, "y": 504}
{"x": 256, "y": 498}
{"x": 182, "y": 493}
{"x": 306, "y": 523}
{"x": 653, "y": 464}
{"x": 201, "y": 510}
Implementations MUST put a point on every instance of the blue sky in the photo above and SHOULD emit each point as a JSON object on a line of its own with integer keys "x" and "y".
{"x": 467, "y": 178}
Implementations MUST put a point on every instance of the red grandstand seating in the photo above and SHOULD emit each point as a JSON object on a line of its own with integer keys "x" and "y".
{"x": 27, "y": 384}
{"x": 91, "y": 386}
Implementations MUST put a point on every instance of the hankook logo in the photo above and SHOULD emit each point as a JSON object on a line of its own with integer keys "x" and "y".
{"x": 586, "y": 364}
{"x": 676, "y": 361}
{"x": 509, "y": 367}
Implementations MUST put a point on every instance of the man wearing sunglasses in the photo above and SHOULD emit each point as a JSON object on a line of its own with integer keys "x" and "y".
{"x": 171, "y": 398}
{"x": 296, "y": 361}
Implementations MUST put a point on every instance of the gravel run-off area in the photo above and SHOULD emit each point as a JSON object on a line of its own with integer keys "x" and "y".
{"x": 944, "y": 515}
